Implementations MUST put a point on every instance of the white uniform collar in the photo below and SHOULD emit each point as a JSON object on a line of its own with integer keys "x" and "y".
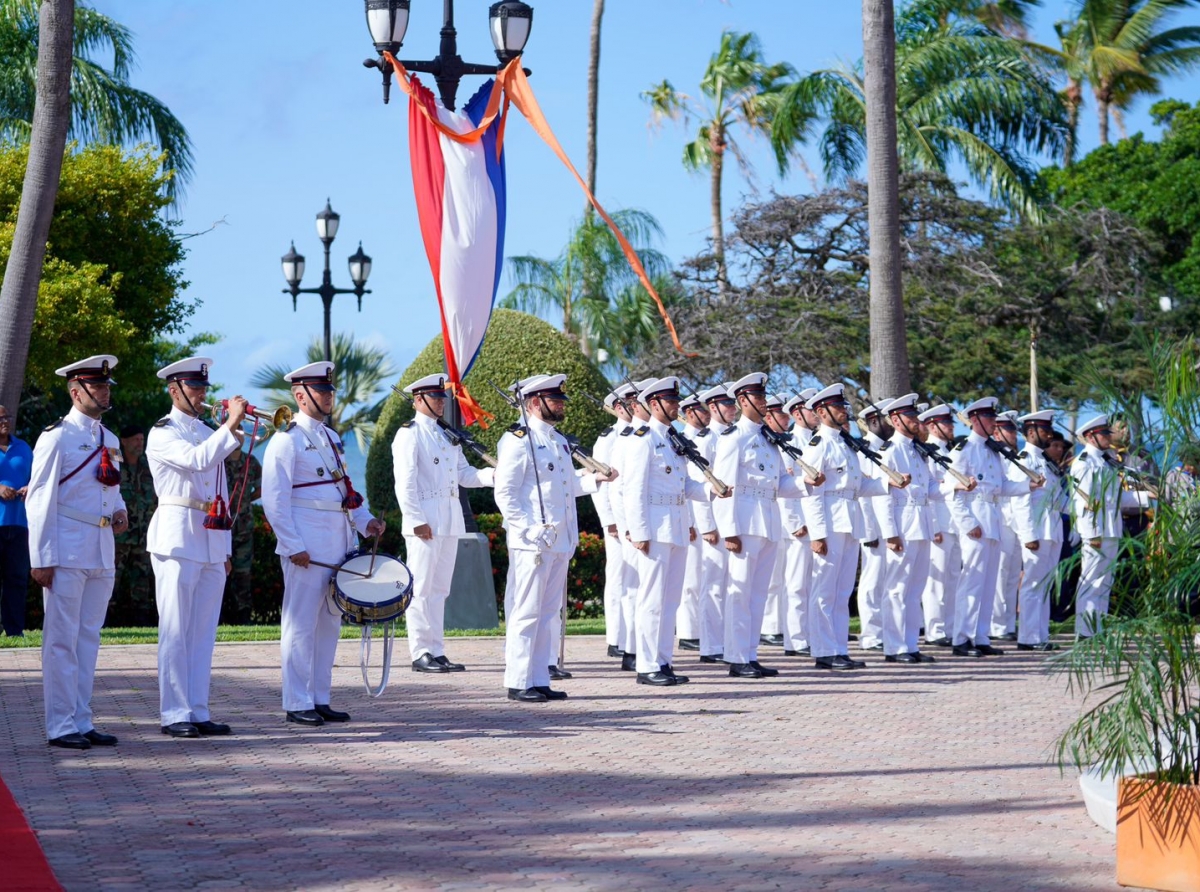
{"x": 79, "y": 419}
{"x": 177, "y": 414}
{"x": 536, "y": 423}
{"x": 657, "y": 426}
{"x": 313, "y": 424}
{"x": 425, "y": 420}
{"x": 976, "y": 438}
{"x": 1093, "y": 450}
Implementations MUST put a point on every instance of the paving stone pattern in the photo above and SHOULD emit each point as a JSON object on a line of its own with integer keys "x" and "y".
{"x": 912, "y": 778}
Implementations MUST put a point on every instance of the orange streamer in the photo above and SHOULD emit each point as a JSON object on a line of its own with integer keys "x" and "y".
{"x": 469, "y": 404}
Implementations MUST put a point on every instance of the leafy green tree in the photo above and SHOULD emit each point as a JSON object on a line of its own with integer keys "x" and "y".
{"x": 585, "y": 283}
{"x": 105, "y": 107}
{"x": 964, "y": 94}
{"x": 361, "y": 373}
{"x": 738, "y": 89}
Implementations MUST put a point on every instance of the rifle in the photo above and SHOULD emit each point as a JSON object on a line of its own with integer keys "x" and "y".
{"x": 781, "y": 442}
{"x": 935, "y": 454}
{"x": 455, "y": 435}
{"x": 863, "y": 448}
{"x": 1003, "y": 450}
{"x": 687, "y": 449}
{"x": 578, "y": 452}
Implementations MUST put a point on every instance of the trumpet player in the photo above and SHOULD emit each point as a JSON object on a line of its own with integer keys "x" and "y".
{"x": 429, "y": 470}
{"x": 190, "y": 544}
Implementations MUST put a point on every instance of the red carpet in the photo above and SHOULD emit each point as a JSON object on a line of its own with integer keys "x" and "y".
{"x": 22, "y": 864}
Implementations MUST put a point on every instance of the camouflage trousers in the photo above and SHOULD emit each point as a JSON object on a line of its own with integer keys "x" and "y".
{"x": 133, "y": 602}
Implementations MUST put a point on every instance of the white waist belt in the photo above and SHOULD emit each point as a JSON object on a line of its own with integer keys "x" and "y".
{"x": 317, "y": 505}
{"x": 989, "y": 498}
{"x": 450, "y": 492}
{"x": 662, "y": 499}
{"x": 843, "y": 494}
{"x": 96, "y": 520}
{"x": 757, "y": 492}
{"x": 181, "y": 502}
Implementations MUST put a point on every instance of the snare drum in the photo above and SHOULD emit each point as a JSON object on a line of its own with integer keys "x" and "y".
{"x": 379, "y": 598}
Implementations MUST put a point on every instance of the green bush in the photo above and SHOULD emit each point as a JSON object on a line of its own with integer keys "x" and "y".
{"x": 517, "y": 345}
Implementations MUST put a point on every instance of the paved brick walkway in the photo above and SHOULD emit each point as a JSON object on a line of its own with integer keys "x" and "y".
{"x": 894, "y": 778}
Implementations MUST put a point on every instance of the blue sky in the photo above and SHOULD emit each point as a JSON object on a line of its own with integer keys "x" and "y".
{"x": 282, "y": 115}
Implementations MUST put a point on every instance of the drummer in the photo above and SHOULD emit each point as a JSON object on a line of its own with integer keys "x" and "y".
{"x": 317, "y": 516}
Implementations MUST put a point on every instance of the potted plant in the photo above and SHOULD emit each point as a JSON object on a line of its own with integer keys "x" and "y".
{"x": 1140, "y": 671}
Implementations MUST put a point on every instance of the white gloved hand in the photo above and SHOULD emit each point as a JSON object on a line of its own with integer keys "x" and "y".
{"x": 543, "y": 537}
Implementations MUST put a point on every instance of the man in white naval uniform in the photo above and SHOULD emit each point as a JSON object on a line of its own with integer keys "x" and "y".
{"x": 1008, "y": 578}
{"x": 877, "y": 432}
{"x": 429, "y": 469}
{"x": 798, "y": 566}
{"x": 723, "y": 412}
{"x": 978, "y": 519}
{"x": 74, "y": 506}
{"x": 774, "y": 626}
{"x": 657, "y": 491}
{"x": 1039, "y": 527}
{"x": 638, "y": 416}
{"x": 536, "y": 488}
{"x": 835, "y": 525}
{"x": 191, "y": 561}
{"x": 696, "y": 419}
{"x": 317, "y": 516}
{"x": 749, "y": 522}
{"x": 907, "y": 530}
{"x": 1097, "y": 503}
{"x": 614, "y": 561}
{"x": 945, "y": 557}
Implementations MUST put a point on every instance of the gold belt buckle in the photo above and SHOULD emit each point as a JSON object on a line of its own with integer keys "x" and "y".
{"x": 206, "y": 506}
{"x": 105, "y": 521}
{"x": 336, "y": 474}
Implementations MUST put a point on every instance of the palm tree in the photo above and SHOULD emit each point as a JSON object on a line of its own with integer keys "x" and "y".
{"x": 1008, "y": 17}
{"x": 593, "y": 97}
{"x": 963, "y": 94}
{"x": 50, "y": 121}
{"x": 104, "y": 107}
{"x": 739, "y": 88}
{"x": 584, "y": 281}
{"x": 1122, "y": 50}
{"x": 361, "y": 373}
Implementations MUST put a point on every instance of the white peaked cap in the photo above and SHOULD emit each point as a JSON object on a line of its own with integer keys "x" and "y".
{"x": 657, "y": 386}
{"x": 427, "y": 384}
{"x": 833, "y": 391}
{"x": 775, "y": 400}
{"x": 908, "y": 401}
{"x": 753, "y": 381}
{"x": 987, "y": 402}
{"x": 1093, "y": 424}
{"x": 94, "y": 367}
{"x": 938, "y": 411}
{"x": 314, "y": 371}
{"x": 1010, "y": 416}
{"x": 1046, "y": 415}
{"x": 720, "y": 392}
{"x": 194, "y": 368}
{"x": 541, "y": 384}
{"x": 794, "y": 403}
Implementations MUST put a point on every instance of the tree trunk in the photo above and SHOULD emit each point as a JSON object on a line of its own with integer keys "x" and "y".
{"x": 1103, "y": 97}
{"x": 718, "y": 162}
{"x": 889, "y": 345}
{"x": 1073, "y": 101}
{"x": 593, "y": 99}
{"x": 51, "y": 118}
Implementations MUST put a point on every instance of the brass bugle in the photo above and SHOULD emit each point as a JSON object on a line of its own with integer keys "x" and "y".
{"x": 278, "y": 419}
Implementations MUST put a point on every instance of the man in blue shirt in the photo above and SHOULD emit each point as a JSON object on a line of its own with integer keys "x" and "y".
{"x": 16, "y": 460}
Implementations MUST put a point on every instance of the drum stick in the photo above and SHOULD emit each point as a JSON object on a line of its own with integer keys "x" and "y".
{"x": 374, "y": 549}
{"x": 339, "y": 569}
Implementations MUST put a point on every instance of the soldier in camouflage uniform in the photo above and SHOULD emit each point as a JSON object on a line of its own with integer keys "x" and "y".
{"x": 133, "y": 597}
{"x": 236, "y": 608}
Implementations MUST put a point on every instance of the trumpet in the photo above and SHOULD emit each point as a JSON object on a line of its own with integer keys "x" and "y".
{"x": 278, "y": 419}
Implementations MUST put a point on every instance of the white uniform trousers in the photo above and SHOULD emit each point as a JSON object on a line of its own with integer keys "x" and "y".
{"x": 311, "y": 626}
{"x": 687, "y": 617}
{"x": 746, "y": 596}
{"x": 614, "y": 569}
{"x": 1008, "y": 583}
{"x": 945, "y": 565}
{"x": 629, "y": 590}
{"x": 797, "y": 580}
{"x": 712, "y": 599}
{"x": 660, "y": 587}
{"x": 431, "y": 562}
{"x": 829, "y": 597}
{"x": 75, "y": 607}
{"x": 188, "y": 594}
{"x": 870, "y": 596}
{"x": 976, "y": 589}
{"x": 904, "y": 580}
{"x": 536, "y": 584}
{"x": 1037, "y": 585}
{"x": 1095, "y": 584}
{"x": 775, "y": 610}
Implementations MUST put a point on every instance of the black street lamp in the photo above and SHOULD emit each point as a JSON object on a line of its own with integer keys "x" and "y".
{"x": 360, "y": 268}
{"x": 509, "y": 22}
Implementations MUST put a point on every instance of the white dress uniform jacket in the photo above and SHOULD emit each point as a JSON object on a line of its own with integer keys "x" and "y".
{"x": 1038, "y": 516}
{"x": 945, "y": 558}
{"x": 905, "y": 574}
{"x": 628, "y": 580}
{"x": 614, "y": 566}
{"x": 687, "y": 618}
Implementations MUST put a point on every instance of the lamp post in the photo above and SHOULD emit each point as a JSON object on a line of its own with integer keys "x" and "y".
{"x": 359, "y": 263}
{"x": 509, "y": 22}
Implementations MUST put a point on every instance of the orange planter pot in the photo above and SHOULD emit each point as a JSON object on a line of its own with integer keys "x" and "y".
{"x": 1158, "y": 835}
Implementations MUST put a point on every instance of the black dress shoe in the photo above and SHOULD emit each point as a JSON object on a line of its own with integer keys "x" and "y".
{"x": 614, "y": 651}
{"x": 70, "y": 742}
{"x": 529, "y": 695}
{"x": 831, "y": 663}
{"x": 212, "y": 729}
{"x": 844, "y": 661}
{"x": 452, "y": 667}
{"x": 330, "y": 715}
{"x": 1008, "y": 636}
{"x": 743, "y": 670}
{"x": 771, "y": 640}
{"x": 629, "y": 662}
{"x": 802, "y": 652}
{"x": 851, "y": 637}
{"x": 689, "y": 643}
{"x": 96, "y": 738}
{"x": 428, "y": 663}
{"x": 712, "y": 658}
{"x": 670, "y": 671}
{"x": 655, "y": 678}
{"x": 924, "y": 658}
{"x": 557, "y": 674}
{"x": 901, "y": 658}
{"x": 1043, "y": 646}
{"x": 305, "y": 717}
{"x": 940, "y": 642}
{"x": 182, "y": 729}
{"x": 763, "y": 670}
{"x": 550, "y": 693}
{"x": 988, "y": 651}
{"x": 967, "y": 650}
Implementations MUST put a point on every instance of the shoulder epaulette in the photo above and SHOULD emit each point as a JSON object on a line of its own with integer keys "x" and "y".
{"x": 1022, "y": 454}
{"x": 815, "y": 440}
{"x": 163, "y": 422}
{"x": 626, "y": 432}
{"x": 729, "y": 430}
{"x": 703, "y": 432}
{"x": 291, "y": 424}
{"x": 641, "y": 431}
{"x": 52, "y": 425}
{"x": 958, "y": 447}
{"x": 517, "y": 430}
{"x": 409, "y": 423}
{"x": 887, "y": 444}
{"x": 608, "y": 430}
